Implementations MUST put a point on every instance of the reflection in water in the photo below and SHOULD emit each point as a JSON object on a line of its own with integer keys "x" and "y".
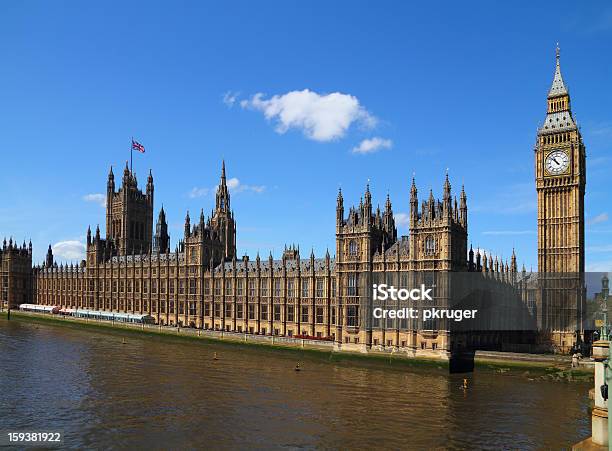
{"x": 159, "y": 393}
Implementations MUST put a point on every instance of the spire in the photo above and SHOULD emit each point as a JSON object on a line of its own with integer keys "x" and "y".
{"x": 558, "y": 87}
{"x": 110, "y": 184}
{"x": 339, "y": 208}
{"x": 187, "y": 224}
{"x": 447, "y": 187}
{"x": 149, "y": 182}
{"x": 368, "y": 196}
{"x": 223, "y": 198}
{"x": 49, "y": 258}
{"x": 414, "y": 203}
{"x": 471, "y": 258}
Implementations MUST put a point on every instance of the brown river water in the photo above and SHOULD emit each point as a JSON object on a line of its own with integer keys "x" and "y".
{"x": 163, "y": 393}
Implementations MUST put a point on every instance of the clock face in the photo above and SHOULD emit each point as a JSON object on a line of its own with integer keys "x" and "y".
{"x": 556, "y": 162}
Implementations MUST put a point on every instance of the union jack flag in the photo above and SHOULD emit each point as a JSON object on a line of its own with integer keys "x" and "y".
{"x": 137, "y": 146}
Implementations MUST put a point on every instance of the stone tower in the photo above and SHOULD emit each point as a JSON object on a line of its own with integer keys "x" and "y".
{"x": 15, "y": 274}
{"x": 438, "y": 234}
{"x": 222, "y": 221}
{"x": 560, "y": 168}
{"x": 129, "y": 214}
{"x": 358, "y": 237}
{"x": 560, "y": 183}
{"x": 161, "y": 240}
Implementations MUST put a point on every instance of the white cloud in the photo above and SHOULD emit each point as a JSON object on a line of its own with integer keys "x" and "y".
{"x": 598, "y": 219}
{"x": 100, "y": 199}
{"x": 198, "y": 192}
{"x": 509, "y": 232}
{"x": 230, "y": 98}
{"x": 235, "y": 186}
{"x": 321, "y": 117}
{"x": 372, "y": 145}
{"x": 402, "y": 219}
{"x": 69, "y": 250}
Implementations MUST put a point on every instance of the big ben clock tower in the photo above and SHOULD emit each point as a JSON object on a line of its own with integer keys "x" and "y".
{"x": 560, "y": 168}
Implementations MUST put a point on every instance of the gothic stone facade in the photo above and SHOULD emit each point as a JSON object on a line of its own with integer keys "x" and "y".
{"x": 204, "y": 284}
{"x": 15, "y": 274}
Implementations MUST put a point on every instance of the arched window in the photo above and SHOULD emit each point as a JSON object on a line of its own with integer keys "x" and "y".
{"x": 430, "y": 245}
{"x": 353, "y": 247}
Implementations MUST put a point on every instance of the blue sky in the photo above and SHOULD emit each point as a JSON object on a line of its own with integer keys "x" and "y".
{"x": 417, "y": 87}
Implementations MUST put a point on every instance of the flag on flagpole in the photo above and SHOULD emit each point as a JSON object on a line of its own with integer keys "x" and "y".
{"x": 137, "y": 146}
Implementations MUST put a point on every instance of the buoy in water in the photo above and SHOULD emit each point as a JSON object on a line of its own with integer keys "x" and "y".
{"x": 215, "y": 357}
{"x": 465, "y": 384}
{"x": 123, "y": 341}
{"x": 297, "y": 367}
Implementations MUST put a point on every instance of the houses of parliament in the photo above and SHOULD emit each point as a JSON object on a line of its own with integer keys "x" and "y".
{"x": 203, "y": 282}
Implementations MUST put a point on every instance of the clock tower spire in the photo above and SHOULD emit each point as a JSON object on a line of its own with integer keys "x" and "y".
{"x": 560, "y": 183}
{"x": 560, "y": 166}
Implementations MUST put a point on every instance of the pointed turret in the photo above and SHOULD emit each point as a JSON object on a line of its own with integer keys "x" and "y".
{"x": 161, "y": 239}
{"x": 126, "y": 175}
{"x": 471, "y": 259}
{"x": 49, "y": 258}
{"x": 339, "y": 208}
{"x": 388, "y": 204}
{"x": 187, "y": 225}
{"x": 446, "y": 197}
{"x": 463, "y": 207}
{"x": 447, "y": 187}
{"x": 558, "y": 87}
{"x": 367, "y": 206}
{"x": 110, "y": 184}
{"x": 223, "y": 198}
{"x": 150, "y": 187}
{"x": 558, "y": 115}
{"x": 414, "y": 203}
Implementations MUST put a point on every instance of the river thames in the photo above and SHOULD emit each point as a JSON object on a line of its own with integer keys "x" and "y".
{"x": 162, "y": 393}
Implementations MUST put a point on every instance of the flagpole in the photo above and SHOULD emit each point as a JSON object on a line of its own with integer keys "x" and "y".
{"x": 131, "y": 152}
